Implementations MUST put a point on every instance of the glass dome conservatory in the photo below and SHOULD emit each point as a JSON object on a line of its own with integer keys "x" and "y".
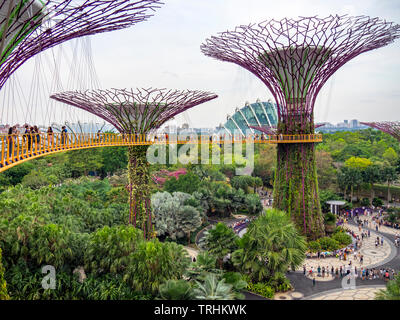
{"x": 260, "y": 114}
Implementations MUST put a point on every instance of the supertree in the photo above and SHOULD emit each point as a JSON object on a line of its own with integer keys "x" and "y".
{"x": 390, "y": 127}
{"x": 29, "y": 27}
{"x": 294, "y": 58}
{"x": 137, "y": 112}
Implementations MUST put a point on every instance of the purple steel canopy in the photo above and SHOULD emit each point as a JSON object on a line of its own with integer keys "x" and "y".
{"x": 390, "y": 127}
{"x": 135, "y": 110}
{"x": 295, "y": 57}
{"x": 37, "y": 26}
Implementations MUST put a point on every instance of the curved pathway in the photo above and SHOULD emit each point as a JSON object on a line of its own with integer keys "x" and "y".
{"x": 373, "y": 256}
{"x": 365, "y": 293}
{"x": 365, "y": 289}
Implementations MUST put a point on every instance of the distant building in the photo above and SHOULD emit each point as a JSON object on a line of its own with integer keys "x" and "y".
{"x": 353, "y": 125}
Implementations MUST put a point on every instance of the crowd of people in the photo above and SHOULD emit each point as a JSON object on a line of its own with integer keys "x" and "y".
{"x": 365, "y": 218}
{"x": 376, "y": 214}
{"x": 363, "y": 273}
{"x": 240, "y": 225}
{"x": 31, "y": 138}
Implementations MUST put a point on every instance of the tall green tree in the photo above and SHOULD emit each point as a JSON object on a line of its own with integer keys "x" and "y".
{"x": 371, "y": 175}
{"x": 81, "y": 162}
{"x": 325, "y": 170}
{"x": 389, "y": 175}
{"x": 390, "y": 156}
{"x": 188, "y": 183}
{"x": 271, "y": 244}
{"x": 221, "y": 240}
{"x": 113, "y": 159}
{"x": 349, "y": 178}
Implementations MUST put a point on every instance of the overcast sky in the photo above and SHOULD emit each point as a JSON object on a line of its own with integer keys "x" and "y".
{"x": 165, "y": 52}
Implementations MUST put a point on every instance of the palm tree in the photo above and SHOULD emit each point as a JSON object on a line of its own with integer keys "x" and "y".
{"x": 271, "y": 244}
{"x": 220, "y": 241}
{"x": 204, "y": 264}
{"x": 176, "y": 290}
{"x": 214, "y": 289}
{"x": 392, "y": 291}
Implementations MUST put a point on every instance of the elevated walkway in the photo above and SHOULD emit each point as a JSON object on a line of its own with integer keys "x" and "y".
{"x": 15, "y": 149}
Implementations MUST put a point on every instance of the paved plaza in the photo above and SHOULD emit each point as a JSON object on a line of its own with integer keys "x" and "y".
{"x": 383, "y": 229}
{"x": 373, "y": 256}
{"x": 363, "y": 293}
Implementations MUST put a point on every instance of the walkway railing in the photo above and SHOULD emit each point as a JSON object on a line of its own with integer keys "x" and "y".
{"x": 15, "y": 148}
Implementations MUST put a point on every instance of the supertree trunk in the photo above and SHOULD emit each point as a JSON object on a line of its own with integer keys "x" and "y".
{"x": 296, "y": 184}
{"x": 139, "y": 189}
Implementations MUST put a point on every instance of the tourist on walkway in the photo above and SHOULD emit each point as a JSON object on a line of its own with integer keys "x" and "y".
{"x": 10, "y": 141}
{"x": 27, "y": 136}
{"x": 50, "y": 137}
{"x": 63, "y": 135}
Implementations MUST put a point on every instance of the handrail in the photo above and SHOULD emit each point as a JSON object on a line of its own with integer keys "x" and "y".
{"x": 17, "y": 148}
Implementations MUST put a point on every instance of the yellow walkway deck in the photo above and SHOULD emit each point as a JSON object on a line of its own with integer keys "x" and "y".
{"x": 15, "y": 149}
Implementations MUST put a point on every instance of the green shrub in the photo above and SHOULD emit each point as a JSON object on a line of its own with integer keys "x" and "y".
{"x": 339, "y": 229}
{"x": 329, "y": 244}
{"x": 237, "y": 281}
{"x": 279, "y": 282}
{"x": 109, "y": 249}
{"x": 365, "y": 202}
{"x": 377, "y": 202}
{"x": 314, "y": 246}
{"x": 261, "y": 288}
{"x": 176, "y": 290}
{"x": 330, "y": 218}
{"x": 343, "y": 238}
